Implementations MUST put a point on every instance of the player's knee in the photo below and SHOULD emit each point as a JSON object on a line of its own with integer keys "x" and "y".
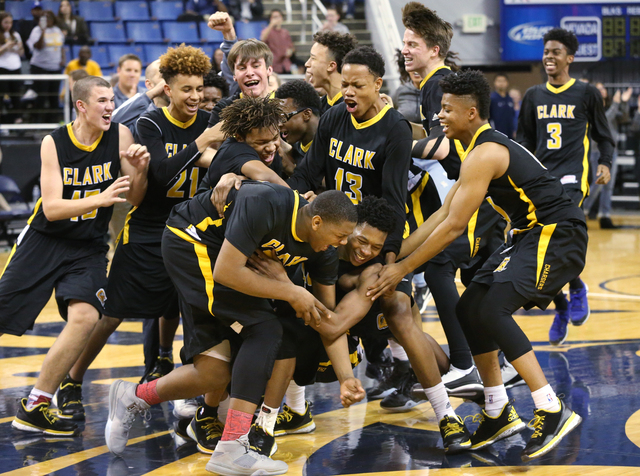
{"x": 110, "y": 324}
{"x": 215, "y": 372}
{"x": 82, "y": 314}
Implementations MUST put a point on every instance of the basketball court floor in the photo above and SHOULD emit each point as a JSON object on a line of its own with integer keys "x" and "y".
{"x": 597, "y": 370}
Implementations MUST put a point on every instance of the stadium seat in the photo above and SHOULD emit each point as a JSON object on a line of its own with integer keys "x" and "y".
{"x": 19, "y": 10}
{"x": 99, "y": 54}
{"x": 250, "y": 30}
{"x": 166, "y": 10}
{"x": 144, "y": 31}
{"x": 132, "y": 11}
{"x": 116, "y": 51}
{"x": 153, "y": 51}
{"x": 96, "y": 11}
{"x": 209, "y": 48}
{"x": 53, "y": 5}
{"x": 209, "y": 35}
{"x": 108, "y": 32}
{"x": 181, "y": 32}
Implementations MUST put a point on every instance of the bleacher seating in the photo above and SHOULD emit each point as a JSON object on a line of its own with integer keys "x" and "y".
{"x": 181, "y": 32}
{"x": 116, "y": 51}
{"x": 153, "y": 51}
{"x": 250, "y": 30}
{"x": 53, "y": 5}
{"x": 108, "y": 32}
{"x": 19, "y": 10}
{"x": 99, "y": 54}
{"x": 96, "y": 11}
{"x": 144, "y": 31}
{"x": 211, "y": 36}
{"x": 131, "y": 11}
{"x": 166, "y": 10}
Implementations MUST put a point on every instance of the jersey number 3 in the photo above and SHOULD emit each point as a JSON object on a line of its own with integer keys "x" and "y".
{"x": 175, "y": 192}
{"x": 355, "y": 184}
{"x": 555, "y": 131}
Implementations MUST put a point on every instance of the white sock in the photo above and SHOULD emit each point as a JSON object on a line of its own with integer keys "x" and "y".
{"x": 397, "y": 350}
{"x": 545, "y": 399}
{"x": 267, "y": 418}
{"x": 33, "y": 397}
{"x": 295, "y": 398}
{"x": 440, "y": 401}
{"x": 223, "y": 408}
{"x": 494, "y": 399}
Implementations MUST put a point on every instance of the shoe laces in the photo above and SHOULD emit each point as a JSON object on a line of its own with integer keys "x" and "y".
{"x": 452, "y": 426}
{"x": 51, "y": 417}
{"x": 537, "y": 424}
{"x": 477, "y": 418}
{"x": 213, "y": 429}
{"x": 285, "y": 416}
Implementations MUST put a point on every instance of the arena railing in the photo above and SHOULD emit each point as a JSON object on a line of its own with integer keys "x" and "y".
{"x": 385, "y": 36}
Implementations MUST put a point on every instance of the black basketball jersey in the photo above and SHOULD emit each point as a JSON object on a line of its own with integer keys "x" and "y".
{"x": 86, "y": 170}
{"x": 369, "y": 158}
{"x": 422, "y": 198}
{"x": 230, "y": 158}
{"x": 172, "y": 176}
{"x": 556, "y": 124}
{"x": 526, "y": 195}
{"x": 262, "y": 216}
{"x": 298, "y": 151}
{"x": 326, "y": 103}
{"x": 224, "y": 102}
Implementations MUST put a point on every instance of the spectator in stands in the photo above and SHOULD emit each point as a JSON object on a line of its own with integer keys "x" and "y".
{"x": 84, "y": 61}
{"x": 333, "y": 21}
{"x": 246, "y": 10}
{"x": 406, "y": 98}
{"x": 279, "y": 40}
{"x": 73, "y": 26}
{"x": 11, "y": 49}
{"x": 215, "y": 88}
{"x": 202, "y": 8}
{"x": 46, "y": 42}
{"x": 26, "y": 26}
{"x": 501, "y": 112}
{"x": 348, "y": 8}
{"x": 617, "y": 112}
{"x": 129, "y": 72}
{"x": 216, "y": 61}
{"x": 516, "y": 96}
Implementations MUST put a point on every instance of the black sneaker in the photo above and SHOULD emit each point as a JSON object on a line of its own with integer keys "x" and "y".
{"x": 422, "y": 296}
{"x": 492, "y": 429}
{"x": 403, "y": 399}
{"x": 455, "y": 436}
{"x": 206, "y": 431}
{"x": 463, "y": 385}
{"x": 391, "y": 383}
{"x": 163, "y": 366}
{"x": 381, "y": 367}
{"x": 290, "y": 422}
{"x": 68, "y": 399}
{"x": 549, "y": 429}
{"x": 41, "y": 420}
{"x": 261, "y": 441}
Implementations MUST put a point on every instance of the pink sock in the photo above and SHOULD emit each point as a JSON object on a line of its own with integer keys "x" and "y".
{"x": 238, "y": 423}
{"x": 148, "y": 392}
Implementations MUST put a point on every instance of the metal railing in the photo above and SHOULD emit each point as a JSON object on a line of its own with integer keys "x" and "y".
{"x": 387, "y": 37}
{"x": 316, "y": 22}
{"x": 39, "y": 77}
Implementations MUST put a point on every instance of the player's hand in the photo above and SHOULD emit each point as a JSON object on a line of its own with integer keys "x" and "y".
{"x": 138, "y": 156}
{"x": 386, "y": 99}
{"x": 215, "y": 134}
{"x": 221, "y": 191}
{"x": 220, "y": 21}
{"x": 111, "y": 194}
{"x": 269, "y": 267}
{"x": 309, "y": 196}
{"x": 388, "y": 279}
{"x": 307, "y": 307}
{"x": 351, "y": 392}
{"x": 603, "y": 174}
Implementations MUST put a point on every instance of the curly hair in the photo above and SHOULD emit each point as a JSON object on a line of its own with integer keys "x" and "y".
{"x": 338, "y": 45}
{"x": 431, "y": 28}
{"x": 376, "y": 212}
{"x": 302, "y": 94}
{"x": 469, "y": 83}
{"x": 367, "y": 56}
{"x": 248, "y": 113}
{"x": 566, "y": 37}
{"x": 185, "y": 60}
{"x": 212, "y": 79}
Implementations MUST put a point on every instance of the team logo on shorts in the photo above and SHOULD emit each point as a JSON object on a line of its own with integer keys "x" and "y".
{"x": 503, "y": 265}
{"x": 102, "y": 296}
{"x": 382, "y": 322}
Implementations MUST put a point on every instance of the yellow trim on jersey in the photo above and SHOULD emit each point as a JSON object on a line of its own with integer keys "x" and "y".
{"x": 471, "y": 232}
{"x": 531, "y": 208}
{"x": 459, "y": 149}
{"x": 6, "y": 265}
{"x": 305, "y": 148}
{"x": 86, "y": 148}
{"x": 125, "y": 229}
{"x": 35, "y": 210}
{"x": 294, "y": 217}
{"x": 415, "y": 200}
{"x": 203, "y": 261}
{"x": 428, "y": 76}
{"x": 498, "y": 209}
{"x": 372, "y": 121}
{"x": 204, "y": 224}
{"x": 562, "y": 88}
{"x": 334, "y": 99}
{"x": 543, "y": 244}
{"x": 176, "y": 122}
{"x": 584, "y": 184}
{"x": 353, "y": 358}
{"x": 472, "y": 144}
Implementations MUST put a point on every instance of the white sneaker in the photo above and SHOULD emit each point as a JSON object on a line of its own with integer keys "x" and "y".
{"x": 510, "y": 376}
{"x": 185, "y": 408}
{"x": 124, "y": 405}
{"x": 236, "y": 458}
{"x": 463, "y": 383}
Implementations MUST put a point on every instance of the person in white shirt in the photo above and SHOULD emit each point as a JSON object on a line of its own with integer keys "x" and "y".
{"x": 11, "y": 49}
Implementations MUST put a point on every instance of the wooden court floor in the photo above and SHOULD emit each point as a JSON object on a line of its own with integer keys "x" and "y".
{"x": 597, "y": 370}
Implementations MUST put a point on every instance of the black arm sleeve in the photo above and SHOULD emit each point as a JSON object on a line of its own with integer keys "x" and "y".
{"x": 163, "y": 167}
{"x": 394, "y": 185}
{"x": 309, "y": 173}
{"x": 599, "y": 125}
{"x": 217, "y": 109}
{"x": 527, "y": 131}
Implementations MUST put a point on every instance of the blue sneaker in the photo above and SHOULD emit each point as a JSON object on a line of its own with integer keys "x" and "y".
{"x": 559, "y": 329}
{"x": 579, "y": 306}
